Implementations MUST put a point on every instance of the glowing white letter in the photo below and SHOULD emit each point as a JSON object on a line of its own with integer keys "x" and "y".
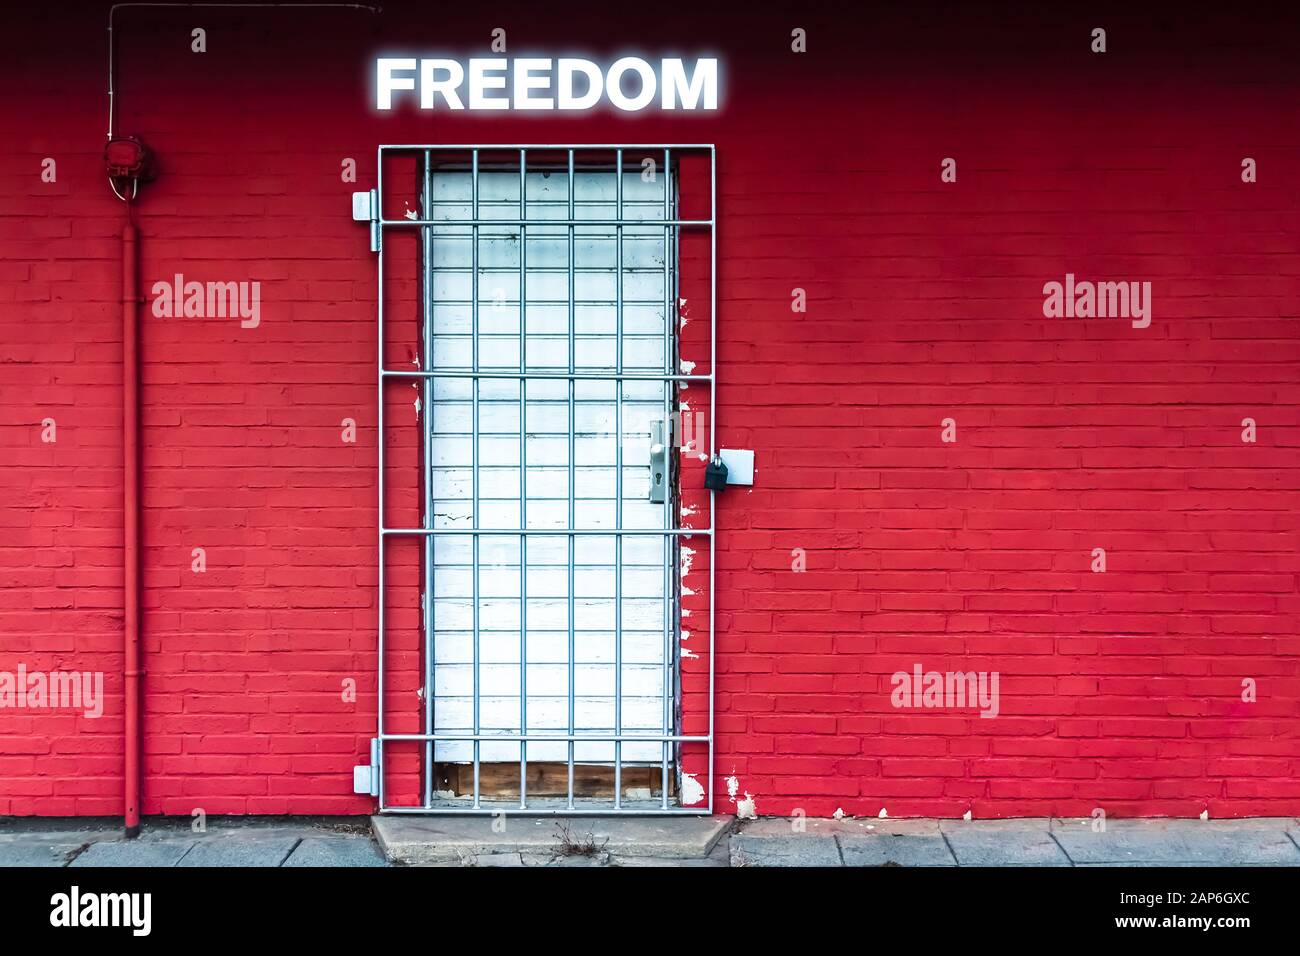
{"x": 614, "y": 84}
{"x": 480, "y": 82}
{"x": 429, "y": 86}
{"x": 704, "y": 82}
{"x": 595, "y": 84}
{"x": 525, "y": 83}
{"x": 388, "y": 82}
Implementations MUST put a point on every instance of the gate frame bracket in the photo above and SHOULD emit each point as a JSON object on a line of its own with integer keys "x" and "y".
{"x": 365, "y": 208}
{"x": 365, "y": 777}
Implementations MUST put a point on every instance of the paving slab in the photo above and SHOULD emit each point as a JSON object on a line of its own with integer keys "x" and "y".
{"x": 74, "y": 830}
{"x": 868, "y": 841}
{"x": 655, "y": 861}
{"x": 783, "y": 826}
{"x": 1242, "y": 848}
{"x": 498, "y": 860}
{"x": 414, "y": 840}
{"x": 1202, "y": 843}
{"x": 580, "y": 860}
{"x": 720, "y": 855}
{"x": 239, "y": 851}
{"x": 876, "y": 826}
{"x": 41, "y": 853}
{"x": 1162, "y": 864}
{"x": 788, "y": 849}
{"x": 894, "y": 849}
{"x": 1003, "y": 843}
{"x": 135, "y": 853}
{"x": 336, "y": 851}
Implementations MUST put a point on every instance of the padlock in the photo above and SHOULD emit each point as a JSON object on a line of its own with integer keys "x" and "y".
{"x": 715, "y": 474}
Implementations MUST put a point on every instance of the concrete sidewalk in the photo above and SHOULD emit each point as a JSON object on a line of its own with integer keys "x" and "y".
{"x": 226, "y": 842}
{"x": 1022, "y": 842}
{"x": 719, "y": 841}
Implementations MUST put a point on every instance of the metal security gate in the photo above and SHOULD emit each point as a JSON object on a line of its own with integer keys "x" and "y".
{"x": 548, "y": 379}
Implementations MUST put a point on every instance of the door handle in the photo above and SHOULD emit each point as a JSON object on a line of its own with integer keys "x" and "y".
{"x": 658, "y": 464}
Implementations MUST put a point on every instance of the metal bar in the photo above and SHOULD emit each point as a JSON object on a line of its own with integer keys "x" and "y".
{"x": 573, "y": 491}
{"x": 462, "y": 223}
{"x": 713, "y": 407}
{"x": 603, "y": 810}
{"x": 666, "y": 676}
{"x": 426, "y": 464}
{"x": 618, "y": 479}
{"x": 560, "y": 376}
{"x": 523, "y": 482}
{"x": 379, "y": 443}
{"x": 542, "y": 735}
{"x": 569, "y": 146}
{"x": 474, "y": 551}
{"x": 427, "y": 377}
{"x": 553, "y": 532}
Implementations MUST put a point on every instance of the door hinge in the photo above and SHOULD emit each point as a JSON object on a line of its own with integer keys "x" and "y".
{"x": 365, "y": 778}
{"x": 365, "y": 208}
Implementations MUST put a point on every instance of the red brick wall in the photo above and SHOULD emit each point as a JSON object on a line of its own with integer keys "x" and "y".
{"x": 1120, "y": 690}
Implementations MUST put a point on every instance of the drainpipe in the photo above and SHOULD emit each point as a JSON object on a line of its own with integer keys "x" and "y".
{"x": 130, "y": 164}
{"x": 131, "y": 521}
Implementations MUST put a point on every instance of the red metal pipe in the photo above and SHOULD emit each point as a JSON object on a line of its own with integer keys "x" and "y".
{"x": 131, "y": 522}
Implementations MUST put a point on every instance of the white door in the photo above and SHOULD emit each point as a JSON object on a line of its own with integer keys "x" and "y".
{"x": 578, "y": 637}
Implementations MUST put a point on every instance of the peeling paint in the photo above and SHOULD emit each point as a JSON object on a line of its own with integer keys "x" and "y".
{"x": 746, "y": 807}
{"x": 685, "y": 411}
{"x": 839, "y": 813}
{"x": 692, "y": 792}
